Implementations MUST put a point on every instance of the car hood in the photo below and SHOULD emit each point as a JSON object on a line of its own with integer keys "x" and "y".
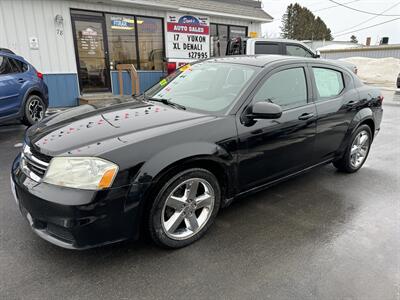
{"x": 92, "y": 130}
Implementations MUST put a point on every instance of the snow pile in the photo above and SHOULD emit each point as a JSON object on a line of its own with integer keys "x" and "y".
{"x": 376, "y": 70}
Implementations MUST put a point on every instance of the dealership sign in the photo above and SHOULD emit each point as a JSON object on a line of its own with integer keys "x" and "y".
{"x": 122, "y": 23}
{"x": 188, "y": 37}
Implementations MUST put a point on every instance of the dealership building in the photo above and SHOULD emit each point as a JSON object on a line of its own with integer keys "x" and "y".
{"x": 78, "y": 45}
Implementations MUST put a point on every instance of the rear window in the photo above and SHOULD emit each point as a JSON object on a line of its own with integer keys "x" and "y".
{"x": 19, "y": 66}
{"x": 9, "y": 65}
{"x": 266, "y": 48}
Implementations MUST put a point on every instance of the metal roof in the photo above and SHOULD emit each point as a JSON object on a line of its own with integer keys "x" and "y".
{"x": 236, "y": 9}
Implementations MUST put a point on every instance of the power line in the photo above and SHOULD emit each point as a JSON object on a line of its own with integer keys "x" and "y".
{"x": 333, "y": 6}
{"x": 392, "y": 20}
{"x": 362, "y": 11}
{"x": 366, "y": 21}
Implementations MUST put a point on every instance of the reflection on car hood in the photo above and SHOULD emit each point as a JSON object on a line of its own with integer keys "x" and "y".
{"x": 90, "y": 130}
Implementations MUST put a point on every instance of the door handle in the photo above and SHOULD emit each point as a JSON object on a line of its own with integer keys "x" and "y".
{"x": 306, "y": 116}
{"x": 21, "y": 80}
{"x": 351, "y": 104}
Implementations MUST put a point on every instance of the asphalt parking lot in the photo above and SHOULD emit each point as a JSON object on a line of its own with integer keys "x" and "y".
{"x": 323, "y": 235}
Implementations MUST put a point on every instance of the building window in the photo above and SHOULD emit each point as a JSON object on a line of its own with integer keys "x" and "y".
{"x": 213, "y": 39}
{"x": 121, "y": 40}
{"x": 220, "y": 35}
{"x": 237, "y": 31}
{"x": 121, "y": 34}
{"x": 151, "y": 43}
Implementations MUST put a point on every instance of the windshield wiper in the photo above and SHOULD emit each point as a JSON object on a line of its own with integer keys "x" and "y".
{"x": 167, "y": 102}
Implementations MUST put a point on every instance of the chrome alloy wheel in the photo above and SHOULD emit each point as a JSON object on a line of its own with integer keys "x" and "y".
{"x": 188, "y": 208}
{"x": 359, "y": 149}
{"x": 36, "y": 110}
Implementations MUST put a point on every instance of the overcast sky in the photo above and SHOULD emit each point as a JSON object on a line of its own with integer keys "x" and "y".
{"x": 339, "y": 19}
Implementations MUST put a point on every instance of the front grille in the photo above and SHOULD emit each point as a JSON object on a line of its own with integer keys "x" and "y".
{"x": 32, "y": 166}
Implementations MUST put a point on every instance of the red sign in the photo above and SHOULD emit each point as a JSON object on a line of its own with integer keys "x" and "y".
{"x": 187, "y": 28}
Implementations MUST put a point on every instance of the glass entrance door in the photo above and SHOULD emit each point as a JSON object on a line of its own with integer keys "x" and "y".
{"x": 91, "y": 54}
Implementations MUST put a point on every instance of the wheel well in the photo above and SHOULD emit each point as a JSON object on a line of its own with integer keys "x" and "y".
{"x": 214, "y": 167}
{"x": 371, "y": 125}
{"x": 28, "y": 94}
{"x": 35, "y": 93}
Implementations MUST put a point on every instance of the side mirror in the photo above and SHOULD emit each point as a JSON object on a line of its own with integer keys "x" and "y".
{"x": 317, "y": 54}
{"x": 265, "y": 110}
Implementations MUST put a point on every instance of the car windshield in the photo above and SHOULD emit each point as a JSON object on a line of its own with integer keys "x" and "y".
{"x": 205, "y": 86}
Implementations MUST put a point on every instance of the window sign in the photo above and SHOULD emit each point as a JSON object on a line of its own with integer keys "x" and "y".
{"x": 188, "y": 36}
{"x": 89, "y": 41}
{"x": 122, "y": 23}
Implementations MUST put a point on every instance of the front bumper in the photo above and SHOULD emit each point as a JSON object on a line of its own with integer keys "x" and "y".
{"x": 77, "y": 219}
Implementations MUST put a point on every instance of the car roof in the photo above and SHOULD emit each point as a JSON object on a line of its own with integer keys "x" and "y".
{"x": 12, "y": 55}
{"x": 6, "y": 50}
{"x": 260, "y": 60}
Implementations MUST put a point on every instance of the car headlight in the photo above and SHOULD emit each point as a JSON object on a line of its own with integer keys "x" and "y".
{"x": 88, "y": 173}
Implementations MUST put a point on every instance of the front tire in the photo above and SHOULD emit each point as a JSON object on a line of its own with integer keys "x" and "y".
{"x": 185, "y": 208}
{"x": 356, "y": 152}
{"x": 34, "y": 110}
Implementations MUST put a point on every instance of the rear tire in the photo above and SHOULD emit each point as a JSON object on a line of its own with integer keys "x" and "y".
{"x": 356, "y": 152}
{"x": 184, "y": 208}
{"x": 34, "y": 110}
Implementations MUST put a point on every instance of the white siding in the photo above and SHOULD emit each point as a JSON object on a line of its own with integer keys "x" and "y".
{"x": 22, "y": 19}
{"x": 252, "y": 26}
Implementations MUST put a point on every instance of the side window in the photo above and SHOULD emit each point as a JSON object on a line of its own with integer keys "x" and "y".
{"x": 5, "y": 66}
{"x": 21, "y": 66}
{"x": 294, "y": 50}
{"x": 329, "y": 82}
{"x": 266, "y": 48}
{"x": 287, "y": 88}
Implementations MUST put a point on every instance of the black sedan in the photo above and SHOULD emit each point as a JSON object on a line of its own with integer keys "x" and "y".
{"x": 165, "y": 164}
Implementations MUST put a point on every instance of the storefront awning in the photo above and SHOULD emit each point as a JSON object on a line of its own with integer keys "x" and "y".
{"x": 234, "y": 10}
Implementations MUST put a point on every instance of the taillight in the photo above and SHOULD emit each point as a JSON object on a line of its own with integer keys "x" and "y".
{"x": 39, "y": 75}
{"x": 380, "y": 98}
{"x": 171, "y": 67}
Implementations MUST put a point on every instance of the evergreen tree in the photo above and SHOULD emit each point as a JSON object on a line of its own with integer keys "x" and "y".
{"x": 300, "y": 23}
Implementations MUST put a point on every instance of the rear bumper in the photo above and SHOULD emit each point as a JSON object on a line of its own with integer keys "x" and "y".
{"x": 95, "y": 218}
